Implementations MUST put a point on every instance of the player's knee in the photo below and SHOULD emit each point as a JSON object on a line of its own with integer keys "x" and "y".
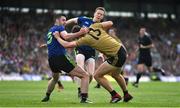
{"x": 140, "y": 68}
{"x": 91, "y": 76}
{"x": 96, "y": 76}
{"x": 86, "y": 75}
{"x": 55, "y": 79}
{"x": 114, "y": 75}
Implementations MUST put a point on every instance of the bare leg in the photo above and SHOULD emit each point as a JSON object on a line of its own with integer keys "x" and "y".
{"x": 104, "y": 69}
{"x": 119, "y": 79}
{"x": 80, "y": 62}
{"x": 90, "y": 68}
{"x": 51, "y": 85}
{"x": 140, "y": 69}
{"x": 80, "y": 58}
{"x": 99, "y": 61}
{"x": 59, "y": 86}
{"x": 52, "y": 82}
{"x": 80, "y": 73}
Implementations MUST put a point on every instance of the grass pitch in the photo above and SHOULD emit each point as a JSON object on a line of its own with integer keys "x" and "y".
{"x": 29, "y": 94}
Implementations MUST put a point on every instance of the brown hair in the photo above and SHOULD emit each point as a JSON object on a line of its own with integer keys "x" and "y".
{"x": 58, "y": 16}
{"x": 75, "y": 28}
{"x": 101, "y": 8}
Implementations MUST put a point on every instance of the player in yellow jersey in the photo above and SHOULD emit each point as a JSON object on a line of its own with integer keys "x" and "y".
{"x": 114, "y": 51}
{"x": 101, "y": 57}
{"x": 113, "y": 32}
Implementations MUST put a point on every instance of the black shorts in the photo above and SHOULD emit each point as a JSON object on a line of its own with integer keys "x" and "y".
{"x": 87, "y": 53}
{"x": 61, "y": 63}
{"x": 145, "y": 59}
{"x": 119, "y": 59}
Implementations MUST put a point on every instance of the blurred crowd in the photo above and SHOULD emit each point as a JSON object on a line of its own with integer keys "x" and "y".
{"x": 165, "y": 36}
{"x": 22, "y": 33}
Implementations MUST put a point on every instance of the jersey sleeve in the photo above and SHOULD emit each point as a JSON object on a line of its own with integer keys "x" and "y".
{"x": 84, "y": 21}
{"x": 59, "y": 29}
{"x": 148, "y": 40}
{"x": 138, "y": 40}
{"x": 80, "y": 20}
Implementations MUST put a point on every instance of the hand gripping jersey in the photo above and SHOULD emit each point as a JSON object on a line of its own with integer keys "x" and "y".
{"x": 85, "y": 22}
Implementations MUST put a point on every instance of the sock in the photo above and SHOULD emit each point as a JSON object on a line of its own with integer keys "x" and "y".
{"x": 113, "y": 93}
{"x": 98, "y": 85}
{"x": 157, "y": 69}
{"x": 125, "y": 92}
{"x": 126, "y": 80}
{"x": 138, "y": 77}
{"x": 48, "y": 94}
{"x": 59, "y": 83}
{"x": 79, "y": 90}
{"x": 84, "y": 96}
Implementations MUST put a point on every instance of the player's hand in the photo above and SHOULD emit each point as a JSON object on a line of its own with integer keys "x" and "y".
{"x": 141, "y": 46}
{"x": 84, "y": 30}
{"x": 153, "y": 45}
{"x": 42, "y": 45}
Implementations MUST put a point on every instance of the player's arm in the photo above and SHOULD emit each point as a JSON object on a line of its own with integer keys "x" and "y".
{"x": 72, "y": 21}
{"x": 63, "y": 42}
{"x": 146, "y": 46}
{"x": 107, "y": 24}
{"x": 43, "y": 45}
{"x": 68, "y": 36}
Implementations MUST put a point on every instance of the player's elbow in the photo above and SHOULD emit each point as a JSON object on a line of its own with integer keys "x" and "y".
{"x": 65, "y": 37}
{"x": 71, "y": 21}
{"x": 69, "y": 45}
{"x": 107, "y": 24}
{"x": 110, "y": 23}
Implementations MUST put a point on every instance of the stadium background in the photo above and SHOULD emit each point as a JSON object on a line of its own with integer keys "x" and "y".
{"x": 24, "y": 23}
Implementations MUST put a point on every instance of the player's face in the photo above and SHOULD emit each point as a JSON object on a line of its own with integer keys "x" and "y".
{"x": 142, "y": 31}
{"x": 62, "y": 20}
{"x": 98, "y": 16}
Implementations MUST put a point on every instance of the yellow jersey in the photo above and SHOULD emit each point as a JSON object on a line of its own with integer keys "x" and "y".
{"x": 99, "y": 39}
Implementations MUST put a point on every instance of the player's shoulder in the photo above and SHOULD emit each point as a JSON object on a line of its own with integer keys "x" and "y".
{"x": 147, "y": 36}
{"x": 57, "y": 28}
{"x": 97, "y": 25}
{"x": 84, "y": 18}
